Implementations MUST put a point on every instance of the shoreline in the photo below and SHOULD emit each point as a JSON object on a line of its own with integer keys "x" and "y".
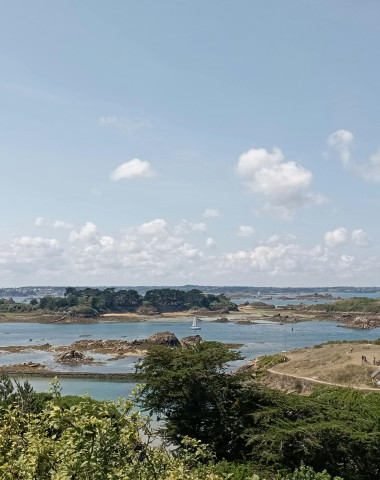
{"x": 247, "y": 314}
{"x": 127, "y": 377}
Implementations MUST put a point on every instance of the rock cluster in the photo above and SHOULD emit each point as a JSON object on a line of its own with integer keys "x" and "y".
{"x": 72, "y": 356}
{"x": 262, "y": 305}
{"x": 122, "y": 347}
{"x": 363, "y": 323}
{"x": 283, "y": 318}
{"x": 32, "y": 365}
{"x": 163, "y": 338}
{"x": 191, "y": 341}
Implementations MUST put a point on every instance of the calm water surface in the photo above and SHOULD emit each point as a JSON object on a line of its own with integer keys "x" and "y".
{"x": 261, "y": 339}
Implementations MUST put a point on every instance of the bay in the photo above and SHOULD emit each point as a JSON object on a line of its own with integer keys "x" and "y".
{"x": 263, "y": 338}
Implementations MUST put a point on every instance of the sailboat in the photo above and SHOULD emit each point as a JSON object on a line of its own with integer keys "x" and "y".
{"x": 194, "y": 326}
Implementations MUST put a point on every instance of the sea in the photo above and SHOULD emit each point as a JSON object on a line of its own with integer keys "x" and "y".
{"x": 262, "y": 338}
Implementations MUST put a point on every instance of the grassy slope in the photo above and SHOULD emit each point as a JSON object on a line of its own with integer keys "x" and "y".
{"x": 354, "y": 304}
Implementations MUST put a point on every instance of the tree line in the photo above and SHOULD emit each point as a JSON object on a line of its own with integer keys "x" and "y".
{"x": 92, "y": 302}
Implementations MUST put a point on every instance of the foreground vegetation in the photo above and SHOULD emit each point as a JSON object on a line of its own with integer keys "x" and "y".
{"x": 333, "y": 429}
{"x": 50, "y": 437}
{"x": 91, "y": 302}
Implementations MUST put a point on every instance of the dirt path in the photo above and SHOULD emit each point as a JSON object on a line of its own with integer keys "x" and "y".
{"x": 321, "y": 382}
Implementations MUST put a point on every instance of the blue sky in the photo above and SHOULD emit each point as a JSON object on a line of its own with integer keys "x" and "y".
{"x": 176, "y": 142}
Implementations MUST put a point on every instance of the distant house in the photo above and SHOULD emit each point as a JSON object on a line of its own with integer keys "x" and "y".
{"x": 376, "y": 376}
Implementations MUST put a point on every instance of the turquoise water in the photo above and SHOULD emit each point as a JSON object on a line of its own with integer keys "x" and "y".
{"x": 260, "y": 339}
{"x": 98, "y": 390}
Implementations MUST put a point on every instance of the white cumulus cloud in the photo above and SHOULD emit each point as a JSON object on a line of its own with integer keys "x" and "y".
{"x": 283, "y": 184}
{"x": 368, "y": 169}
{"x": 342, "y": 236}
{"x": 159, "y": 252}
{"x": 360, "y": 238}
{"x": 26, "y": 241}
{"x": 245, "y": 231}
{"x": 135, "y": 168}
{"x": 154, "y": 227}
{"x": 339, "y": 236}
{"x": 211, "y": 213}
{"x": 62, "y": 224}
{"x": 40, "y": 222}
{"x": 185, "y": 227}
{"x": 86, "y": 232}
{"x": 210, "y": 242}
{"x": 342, "y": 140}
{"x": 43, "y": 222}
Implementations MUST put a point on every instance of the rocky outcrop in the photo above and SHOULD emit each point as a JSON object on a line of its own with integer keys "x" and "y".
{"x": 221, "y": 320}
{"x": 122, "y": 347}
{"x": 191, "y": 341}
{"x": 262, "y": 305}
{"x": 26, "y": 367}
{"x": 283, "y": 318}
{"x": 147, "y": 310}
{"x": 363, "y": 323}
{"x": 163, "y": 338}
{"x": 73, "y": 356}
{"x": 101, "y": 346}
{"x": 32, "y": 365}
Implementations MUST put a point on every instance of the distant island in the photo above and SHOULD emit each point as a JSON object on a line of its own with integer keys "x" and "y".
{"x": 231, "y": 291}
{"x": 92, "y": 302}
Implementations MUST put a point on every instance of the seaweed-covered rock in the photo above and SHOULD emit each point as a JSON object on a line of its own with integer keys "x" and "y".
{"x": 164, "y": 338}
{"x": 262, "y": 305}
{"x": 191, "y": 341}
{"x": 72, "y": 356}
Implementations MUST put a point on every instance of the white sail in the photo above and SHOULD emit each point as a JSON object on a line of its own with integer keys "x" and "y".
{"x": 194, "y": 326}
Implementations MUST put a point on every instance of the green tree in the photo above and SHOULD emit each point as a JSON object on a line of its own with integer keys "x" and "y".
{"x": 197, "y": 396}
{"x": 333, "y": 429}
{"x": 126, "y": 300}
{"x": 166, "y": 299}
{"x": 71, "y": 291}
{"x": 195, "y": 298}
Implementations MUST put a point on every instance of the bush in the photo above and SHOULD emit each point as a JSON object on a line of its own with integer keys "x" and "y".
{"x": 268, "y": 361}
{"x": 307, "y": 473}
{"x": 355, "y": 304}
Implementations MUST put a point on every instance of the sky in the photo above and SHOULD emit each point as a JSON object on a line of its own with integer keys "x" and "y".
{"x": 189, "y": 142}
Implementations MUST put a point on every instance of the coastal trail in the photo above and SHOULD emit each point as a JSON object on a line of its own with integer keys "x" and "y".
{"x": 322, "y": 382}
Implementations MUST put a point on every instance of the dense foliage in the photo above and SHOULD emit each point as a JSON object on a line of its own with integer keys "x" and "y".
{"x": 333, "y": 429}
{"x": 191, "y": 387}
{"x": 49, "y": 437}
{"x": 90, "y": 302}
{"x": 10, "y": 306}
